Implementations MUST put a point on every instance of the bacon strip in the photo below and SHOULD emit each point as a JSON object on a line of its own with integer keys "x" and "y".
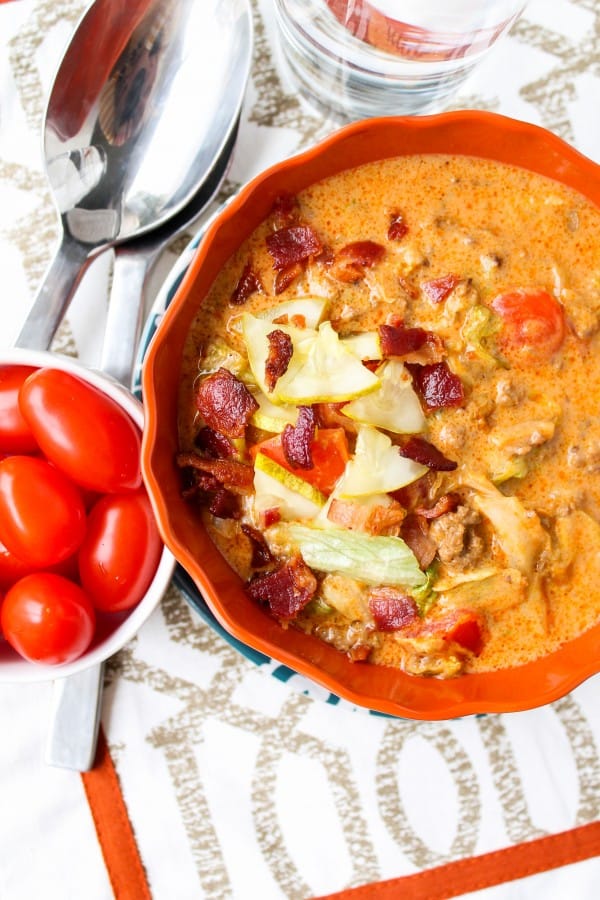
{"x": 213, "y": 443}
{"x": 437, "y": 385}
{"x": 415, "y": 532}
{"x": 427, "y": 454}
{"x": 446, "y": 503}
{"x": 278, "y": 357}
{"x": 287, "y": 590}
{"x": 225, "y": 403}
{"x": 292, "y": 244}
{"x": 331, "y": 415}
{"x": 261, "y": 555}
{"x": 398, "y": 341}
{"x": 439, "y": 288}
{"x": 249, "y": 283}
{"x": 225, "y": 505}
{"x": 391, "y": 609}
{"x": 351, "y": 261}
{"x": 286, "y": 276}
{"x": 234, "y": 475}
{"x": 397, "y": 228}
{"x": 296, "y": 439}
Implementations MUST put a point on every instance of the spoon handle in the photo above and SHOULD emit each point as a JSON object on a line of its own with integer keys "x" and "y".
{"x": 54, "y": 295}
{"x": 75, "y": 717}
{"x": 126, "y": 310}
{"x": 71, "y": 739}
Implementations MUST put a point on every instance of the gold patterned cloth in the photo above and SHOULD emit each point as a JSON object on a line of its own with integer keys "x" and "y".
{"x": 242, "y": 780}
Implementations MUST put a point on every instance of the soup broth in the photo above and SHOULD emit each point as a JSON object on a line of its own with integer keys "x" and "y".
{"x": 388, "y": 413}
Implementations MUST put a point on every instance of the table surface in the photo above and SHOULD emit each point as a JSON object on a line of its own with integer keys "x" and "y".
{"x": 217, "y": 778}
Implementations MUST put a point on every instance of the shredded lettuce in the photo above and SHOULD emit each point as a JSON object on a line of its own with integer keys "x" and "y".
{"x": 372, "y": 559}
{"x": 480, "y": 324}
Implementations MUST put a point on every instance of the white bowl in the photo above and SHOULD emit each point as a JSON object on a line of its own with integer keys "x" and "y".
{"x": 13, "y": 668}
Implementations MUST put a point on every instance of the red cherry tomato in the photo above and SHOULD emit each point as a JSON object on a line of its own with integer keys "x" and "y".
{"x": 15, "y": 434}
{"x": 534, "y": 324}
{"x": 120, "y": 552}
{"x": 82, "y": 431}
{"x": 12, "y": 568}
{"x": 47, "y": 619}
{"x": 42, "y": 517}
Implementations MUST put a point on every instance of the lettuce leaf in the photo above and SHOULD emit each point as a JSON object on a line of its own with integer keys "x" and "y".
{"x": 372, "y": 559}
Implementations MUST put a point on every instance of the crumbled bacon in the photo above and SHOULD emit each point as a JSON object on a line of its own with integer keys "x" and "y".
{"x": 414, "y": 345}
{"x": 292, "y": 244}
{"x": 196, "y": 482}
{"x": 249, "y": 283}
{"x": 225, "y": 403}
{"x": 285, "y": 210}
{"x": 296, "y": 439}
{"x": 446, "y": 503}
{"x": 331, "y": 415}
{"x": 417, "y": 493}
{"x": 427, "y": 454}
{"x": 213, "y": 443}
{"x": 278, "y": 357}
{"x": 351, "y": 261}
{"x": 437, "y": 289}
{"x": 224, "y": 504}
{"x": 415, "y": 532}
{"x": 325, "y": 257}
{"x": 397, "y": 228}
{"x": 398, "y": 341}
{"x": 234, "y": 475}
{"x": 391, "y": 609}
{"x": 437, "y": 385}
{"x": 286, "y": 276}
{"x": 270, "y": 516}
{"x": 261, "y": 555}
{"x": 287, "y": 590}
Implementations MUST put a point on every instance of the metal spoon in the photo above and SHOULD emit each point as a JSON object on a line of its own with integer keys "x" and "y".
{"x": 130, "y": 139}
{"x": 141, "y": 107}
{"x": 76, "y": 700}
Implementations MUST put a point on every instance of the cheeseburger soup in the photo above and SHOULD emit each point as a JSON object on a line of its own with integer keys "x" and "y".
{"x": 388, "y": 414}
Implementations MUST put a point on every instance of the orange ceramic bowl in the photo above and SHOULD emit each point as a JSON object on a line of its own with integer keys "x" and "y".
{"x": 379, "y": 688}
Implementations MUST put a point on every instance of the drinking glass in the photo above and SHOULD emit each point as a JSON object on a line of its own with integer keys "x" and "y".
{"x": 361, "y": 58}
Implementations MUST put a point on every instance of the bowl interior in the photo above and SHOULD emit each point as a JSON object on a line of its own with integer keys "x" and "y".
{"x": 381, "y": 688}
{"x": 115, "y": 630}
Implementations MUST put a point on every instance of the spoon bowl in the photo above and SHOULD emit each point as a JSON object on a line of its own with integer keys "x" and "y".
{"x": 143, "y": 103}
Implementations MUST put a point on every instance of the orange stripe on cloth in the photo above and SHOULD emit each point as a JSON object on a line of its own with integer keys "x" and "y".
{"x": 478, "y": 872}
{"x": 115, "y": 834}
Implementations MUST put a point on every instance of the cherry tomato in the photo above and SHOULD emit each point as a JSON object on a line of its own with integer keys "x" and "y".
{"x": 47, "y": 618}
{"x": 120, "y": 552}
{"x": 42, "y": 516}
{"x": 15, "y": 434}
{"x": 82, "y": 431}
{"x": 12, "y": 568}
{"x": 534, "y": 324}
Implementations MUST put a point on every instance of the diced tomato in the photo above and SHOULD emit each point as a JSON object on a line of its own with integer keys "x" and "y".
{"x": 329, "y": 451}
{"x": 533, "y": 323}
{"x": 461, "y": 626}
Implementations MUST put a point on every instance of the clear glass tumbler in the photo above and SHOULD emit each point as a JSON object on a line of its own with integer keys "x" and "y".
{"x": 362, "y": 58}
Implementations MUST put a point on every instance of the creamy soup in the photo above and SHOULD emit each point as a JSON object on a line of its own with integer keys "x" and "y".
{"x": 388, "y": 414}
